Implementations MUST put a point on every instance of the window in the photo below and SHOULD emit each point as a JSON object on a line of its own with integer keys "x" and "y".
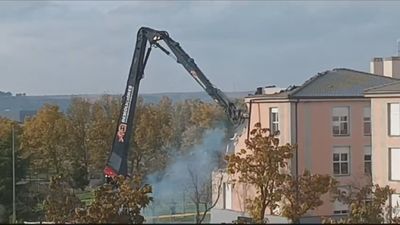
{"x": 367, "y": 160}
{"x": 340, "y": 121}
{"x": 394, "y": 118}
{"x": 227, "y": 195}
{"x": 394, "y": 159}
{"x": 339, "y": 207}
{"x": 368, "y": 201}
{"x": 367, "y": 121}
{"x": 395, "y": 204}
{"x": 338, "y": 212}
{"x": 274, "y": 118}
{"x": 341, "y": 161}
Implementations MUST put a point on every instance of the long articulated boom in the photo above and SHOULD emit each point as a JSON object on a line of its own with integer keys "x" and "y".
{"x": 117, "y": 163}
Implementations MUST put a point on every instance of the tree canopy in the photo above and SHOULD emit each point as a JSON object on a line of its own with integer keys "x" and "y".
{"x": 264, "y": 165}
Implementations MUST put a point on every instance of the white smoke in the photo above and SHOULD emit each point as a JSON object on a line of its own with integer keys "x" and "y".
{"x": 201, "y": 160}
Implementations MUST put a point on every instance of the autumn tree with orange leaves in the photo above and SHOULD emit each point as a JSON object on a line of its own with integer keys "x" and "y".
{"x": 263, "y": 164}
{"x": 303, "y": 193}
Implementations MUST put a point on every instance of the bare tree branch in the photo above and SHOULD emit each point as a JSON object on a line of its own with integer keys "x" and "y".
{"x": 202, "y": 194}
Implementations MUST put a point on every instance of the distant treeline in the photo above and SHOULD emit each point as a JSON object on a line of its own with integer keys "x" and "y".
{"x": 2, "y": 93}
{"x": 77, "y": 142}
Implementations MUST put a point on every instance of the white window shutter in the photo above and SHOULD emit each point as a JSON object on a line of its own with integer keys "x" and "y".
{"x": 228, "y": 196}
{"x": 395, "y": 164}
{"x": 394, "y": 119}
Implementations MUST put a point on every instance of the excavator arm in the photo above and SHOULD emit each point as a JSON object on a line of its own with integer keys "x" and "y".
{"x": 117, "y": 163}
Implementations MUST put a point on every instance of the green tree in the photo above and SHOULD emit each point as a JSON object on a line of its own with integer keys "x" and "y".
{"x": 367, "y": 204}
{"x": 205, "y": 116}
{"x": 104, "y": 115}
{"x": 181, "y": 120}
{"x": 192, "y": 119}
{"x": 6, "y": 181}
{"x": 152, "y": 137}
{"x": 304, "y": 193}
{"x": 43, "y": 140}
{"x": 118, "y": 203}
{"x": 79, "y": 122}
{"x": 262, "y": 165}
{"x": 60, "y": 203}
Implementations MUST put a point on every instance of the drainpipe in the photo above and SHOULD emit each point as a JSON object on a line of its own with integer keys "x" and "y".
{"x": 297, "y": 155}
{"x": 297, "y": 139}
{"x": 248, "y": 124}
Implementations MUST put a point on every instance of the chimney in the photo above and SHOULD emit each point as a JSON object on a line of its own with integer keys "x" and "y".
{"x": 391, "y": 66}
{"x": 259, "y": 91}
{"x": 376, "y": 66}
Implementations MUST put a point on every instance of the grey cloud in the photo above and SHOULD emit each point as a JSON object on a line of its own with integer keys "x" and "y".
{"x": 239, "y": 45}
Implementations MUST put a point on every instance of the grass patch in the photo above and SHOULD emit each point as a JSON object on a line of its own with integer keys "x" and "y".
{"x": 86, "y": 197}
{"x": 177, "y": 218}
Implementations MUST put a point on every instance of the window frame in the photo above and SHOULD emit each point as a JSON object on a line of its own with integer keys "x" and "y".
{"x": 336, "y": 211}
{"x": 368, "y": 122}
{"x": 274, "y": 110}
{"x": 392, "y": 212}
{"x": 368, "y": 152}
{"x": 341, "y": 212}
{"x": 339, "y": 150}
{"x": 227, "y": 195}
{"x": 390, "y": 165}
{"x": 340, "y": 122}
{"x": 389, "y": 114}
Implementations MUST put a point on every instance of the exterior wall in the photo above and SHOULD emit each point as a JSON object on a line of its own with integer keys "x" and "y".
{"x": 316, "y": 142}
{"x": 387, "y": 68}
{"x": 260, "y": 112}
{"x": 396, "y": 67}
{"x": 391, "y": 67}
{"x": 376, "y": 66}
{"x": 381, "y": 142}
{"x": 218, "y": 176}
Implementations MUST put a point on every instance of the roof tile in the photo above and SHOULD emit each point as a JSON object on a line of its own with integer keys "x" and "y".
{"x": 340, "y": 82}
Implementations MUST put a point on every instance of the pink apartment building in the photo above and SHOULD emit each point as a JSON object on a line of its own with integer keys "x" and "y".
{"x": 346, "y": 123}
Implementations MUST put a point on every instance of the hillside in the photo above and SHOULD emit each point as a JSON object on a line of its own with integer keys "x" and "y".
{"x": 15, "y": 107}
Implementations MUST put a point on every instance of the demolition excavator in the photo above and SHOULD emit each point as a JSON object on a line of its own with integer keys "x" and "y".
{"x": 147, "y": 39}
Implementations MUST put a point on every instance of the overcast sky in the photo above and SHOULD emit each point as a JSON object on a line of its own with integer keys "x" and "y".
{"x": 57, "y": 47}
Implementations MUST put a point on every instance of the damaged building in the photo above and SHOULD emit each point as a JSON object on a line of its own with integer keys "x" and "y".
{"x": 346, "y": 123}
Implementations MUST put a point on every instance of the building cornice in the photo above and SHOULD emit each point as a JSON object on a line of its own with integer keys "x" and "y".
{"x": 383, "y": 95}
{"x": 333, "y": 99}
{"x": 318, "y": 99}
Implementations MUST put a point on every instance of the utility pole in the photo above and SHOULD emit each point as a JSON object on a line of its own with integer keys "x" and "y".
{"x": 13, "y": 174}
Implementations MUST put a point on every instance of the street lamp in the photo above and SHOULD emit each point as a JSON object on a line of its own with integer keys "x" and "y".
{"x": 13, "y": 173}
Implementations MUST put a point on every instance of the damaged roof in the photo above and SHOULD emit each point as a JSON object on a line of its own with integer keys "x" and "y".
{"x": 340, "y": 82}
{"x": 281, "y": 94}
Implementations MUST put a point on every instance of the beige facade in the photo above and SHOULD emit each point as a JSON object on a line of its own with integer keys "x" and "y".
{"x": 385, "y": 114}
{"x": 383, "y": 141}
